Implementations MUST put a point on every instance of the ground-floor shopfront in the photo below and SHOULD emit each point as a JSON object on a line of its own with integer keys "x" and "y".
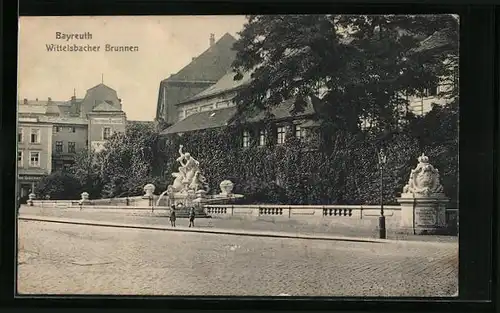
{"x": 27, "y": 184}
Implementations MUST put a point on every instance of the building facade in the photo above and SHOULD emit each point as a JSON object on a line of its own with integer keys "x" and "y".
{"x": 34, "y": 154}
{"x": 203, "y": 72}
{"x": 51, "y": 133}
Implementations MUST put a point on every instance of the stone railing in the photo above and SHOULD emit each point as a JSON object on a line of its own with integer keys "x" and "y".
{"x": 391, "y": 212}
{"x": 290, "y": 211}
{"x": 117, "y": 202}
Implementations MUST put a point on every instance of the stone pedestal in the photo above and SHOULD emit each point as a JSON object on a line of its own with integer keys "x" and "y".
{"x": 423, "y": 203}
{"x": 423, "y": 215}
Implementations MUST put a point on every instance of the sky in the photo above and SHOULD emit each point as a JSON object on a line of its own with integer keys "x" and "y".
{"x": 166, "y": 44}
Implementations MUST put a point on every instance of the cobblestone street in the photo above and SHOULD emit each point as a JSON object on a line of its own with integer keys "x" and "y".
{"x": 74, "y": 259}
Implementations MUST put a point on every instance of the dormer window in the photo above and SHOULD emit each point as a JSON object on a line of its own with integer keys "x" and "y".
{"x": 106, "y": 133}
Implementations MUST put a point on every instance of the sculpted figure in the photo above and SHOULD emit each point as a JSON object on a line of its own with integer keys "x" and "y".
{"x": 424, "y": 179}
{"x": 189, "y": 167}
{"x": 199, "y": 182}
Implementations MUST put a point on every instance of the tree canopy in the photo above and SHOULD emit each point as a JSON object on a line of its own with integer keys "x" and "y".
{"x": 363, "y": 67}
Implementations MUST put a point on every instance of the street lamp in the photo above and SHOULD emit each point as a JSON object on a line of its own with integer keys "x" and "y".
{"x": 382, "y": 159}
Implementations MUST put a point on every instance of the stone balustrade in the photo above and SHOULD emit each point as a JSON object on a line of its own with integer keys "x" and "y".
{"x": 314, "y": 213}
{"x": 357, "y": 211}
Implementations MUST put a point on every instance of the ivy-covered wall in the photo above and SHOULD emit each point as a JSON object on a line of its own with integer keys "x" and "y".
{"x": 294, "y": 173}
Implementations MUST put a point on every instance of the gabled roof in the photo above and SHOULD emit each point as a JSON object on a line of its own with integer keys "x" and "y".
{"x": 105, "y": 106}
{"x": 203, "y": 120}
{"x": 101, "y": 85}
{"x": 211, "y": 64}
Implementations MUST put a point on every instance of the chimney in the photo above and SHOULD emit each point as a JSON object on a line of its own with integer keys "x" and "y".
{"x": 49, "y": 99}
{"x": 25, "y": 101}
{"x": 36, "y": 99}
{"x": 212, "y": 39}
{"x": 73, "y": 98}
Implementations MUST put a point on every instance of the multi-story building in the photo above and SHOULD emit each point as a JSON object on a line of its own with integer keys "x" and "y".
{"x": 203, "y": 72}
{"x": 34, "y": 154}
{"x": 215, "y": 107}
{"x": 51, "y": 133}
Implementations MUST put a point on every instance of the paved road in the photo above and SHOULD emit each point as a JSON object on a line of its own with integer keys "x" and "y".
{"x": 292, "y": 226}
{"x": 75, "y": 259}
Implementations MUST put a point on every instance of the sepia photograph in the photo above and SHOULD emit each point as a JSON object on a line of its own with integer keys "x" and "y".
{"x": 238, "y": 155}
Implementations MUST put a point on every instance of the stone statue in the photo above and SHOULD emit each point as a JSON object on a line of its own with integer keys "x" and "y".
{"x": 199, "y": 182}
{"x": 189, "y": 176}
{"x": 424, "y": 179}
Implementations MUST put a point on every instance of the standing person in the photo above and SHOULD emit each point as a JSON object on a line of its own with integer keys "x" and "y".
{"x": 192, "y": 214}
{"x": 172, "y": 216}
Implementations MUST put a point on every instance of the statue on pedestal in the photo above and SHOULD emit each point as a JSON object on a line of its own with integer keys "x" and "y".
{"x": 189, "y": 176}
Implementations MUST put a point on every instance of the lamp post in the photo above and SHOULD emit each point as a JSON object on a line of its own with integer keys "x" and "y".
{"x": 382, "y": 159}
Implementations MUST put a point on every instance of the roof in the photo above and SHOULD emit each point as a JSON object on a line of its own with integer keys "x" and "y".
{"x": 202, "y": 120}
{"x": 440, "y": 39}
{"x": 101, "y": 85}
{"x": 223, "y": 117}
{"x": 105, "y": 106}
{"x": 226, "y": 83}
{"x": 285, "y": 110}
{"x": 211, "y": 64}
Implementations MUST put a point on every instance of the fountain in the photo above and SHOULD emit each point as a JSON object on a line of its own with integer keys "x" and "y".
{"x": 191, "y": 187}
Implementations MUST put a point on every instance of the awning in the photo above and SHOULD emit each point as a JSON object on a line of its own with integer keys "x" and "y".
{"x": 202, "y": 120}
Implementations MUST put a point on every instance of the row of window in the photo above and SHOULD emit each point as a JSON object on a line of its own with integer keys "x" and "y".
{"x": 35, "y": 134}
{"x": 300, "y": 133}
{"x": 34, "y": 157}
{"x": 70, "y": 129}
{"x": 33, "y": 138}
{"x": 71, "y": 147}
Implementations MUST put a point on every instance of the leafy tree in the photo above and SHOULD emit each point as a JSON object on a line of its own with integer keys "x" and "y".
{"x": 128, "y": 160}
{"x": 362, "y": 66}
{"x": 86, "y": 169}
{"x": 59, "y": 186}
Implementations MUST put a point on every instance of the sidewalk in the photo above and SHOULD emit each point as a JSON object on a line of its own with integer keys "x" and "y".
{"x": 272, "y": 234}
{"x": 261, "y": 225}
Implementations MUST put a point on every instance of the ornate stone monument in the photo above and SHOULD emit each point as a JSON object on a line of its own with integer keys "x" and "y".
{"x": 423, "y": 203}
{"x": 190, "y": 186}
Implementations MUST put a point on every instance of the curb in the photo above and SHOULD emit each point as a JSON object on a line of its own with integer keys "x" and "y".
{"x": 269, "y": 234}
{"x": 198, "y": 230}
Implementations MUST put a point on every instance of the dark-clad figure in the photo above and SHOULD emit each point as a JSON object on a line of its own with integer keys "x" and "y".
{"x": 192, "y": 214}
{"x": 172, "y": 216}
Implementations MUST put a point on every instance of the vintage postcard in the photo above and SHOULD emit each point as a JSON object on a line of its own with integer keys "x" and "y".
{"x": 261, "y": 155}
